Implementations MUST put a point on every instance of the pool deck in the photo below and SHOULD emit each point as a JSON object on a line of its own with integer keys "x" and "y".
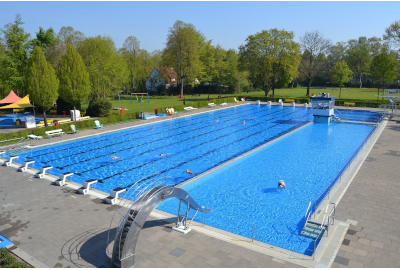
{"x": 60, "y": 228}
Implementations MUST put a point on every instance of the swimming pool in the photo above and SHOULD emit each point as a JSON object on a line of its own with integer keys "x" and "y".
{"x": 243, "y": 191}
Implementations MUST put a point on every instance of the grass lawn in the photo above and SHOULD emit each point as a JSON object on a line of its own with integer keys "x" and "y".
{"x": 300, "y": 92}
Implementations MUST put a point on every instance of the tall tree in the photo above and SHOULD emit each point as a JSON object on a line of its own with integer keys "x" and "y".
{"x": 182, "y": 51}
{"x": 271, "y": 57}
{"x": 130, "y": 52}
{"x": 384, "y": 68}
{"x": 359, "y": 56}
{"x": 106, "y": 69}
{"x": 74, "y": 79}
{"x": 392, "y": 34}
{"x": 314, "y": 47}
{"x": 44, "y": 39}
{"x": 341, "y": 74}
{"x": 68, "y": 35}
{"x": 14, "y": 59}
{"x": 207, "y": 59}
{"x": 220, "y": 66}
{"x": 41, "y": 81}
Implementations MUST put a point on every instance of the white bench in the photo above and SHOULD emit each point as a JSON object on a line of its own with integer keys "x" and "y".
{"x": 112, "y": 199}
{"x": 86, "y": 186}
{"x": 223, "y": 104}
{"x": 24, "y": 168}
{"x": 63, "y": 177}
{"x": 10, "y": 160}
{"x": 54, "y": 133}
{"x": 211, "y": 104}
{"x": 43, "y": 170}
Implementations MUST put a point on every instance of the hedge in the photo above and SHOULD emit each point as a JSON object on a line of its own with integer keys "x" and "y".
{"x": 115, "y": 117}
{"x": 8, "y": 261}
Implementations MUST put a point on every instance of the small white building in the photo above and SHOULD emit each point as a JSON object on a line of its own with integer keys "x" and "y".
{"x": 160, "y": 76}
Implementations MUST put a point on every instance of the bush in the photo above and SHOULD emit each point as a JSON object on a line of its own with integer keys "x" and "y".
{"x": 8, "y": 261}
{"x": 99, "y": 108}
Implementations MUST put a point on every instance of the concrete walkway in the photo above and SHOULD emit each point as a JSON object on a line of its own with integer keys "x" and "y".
{"x": 371, "y": 204}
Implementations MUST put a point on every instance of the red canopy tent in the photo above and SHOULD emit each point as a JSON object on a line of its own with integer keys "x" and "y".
{"x": 11, "y": 98}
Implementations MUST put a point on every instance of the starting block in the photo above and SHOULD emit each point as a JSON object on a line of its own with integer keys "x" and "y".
{"x": 63, "y": 178}
{"x": 86, "y": 186}
{"x": 25, "y": 166}
{"x": 43, "y": 170}
{"x": 112, "y": 199}
{"x": 10, "y": 160}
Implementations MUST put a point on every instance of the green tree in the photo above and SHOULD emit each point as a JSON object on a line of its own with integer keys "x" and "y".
{"x": 271, "y": 57}
{"x": 106, "y": 69}
{"x": 44, "y": 39}
{"x": 220, "y": 66}
{"x": 41, "y": 81}
{"x": 341, "y": 74}
{"x": 392, "y": 34}
{"x": 68, "y": 36}
{"x": 14, "y": 59}
{"x": 130, "y": 52}
{"x": 384, "y": 68}
{"x": 74, "y": 79}
{"x": 182, "y": 51}
{"x": 207, "y": 59}
{"x": 358, "y": 56}
{"x": 314, "y": 47}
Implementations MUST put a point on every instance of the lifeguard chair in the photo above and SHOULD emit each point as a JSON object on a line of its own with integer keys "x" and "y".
{"x": 323, "y": 107}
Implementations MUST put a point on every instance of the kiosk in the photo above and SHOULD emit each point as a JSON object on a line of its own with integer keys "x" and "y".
{"x": 323, "y": 107}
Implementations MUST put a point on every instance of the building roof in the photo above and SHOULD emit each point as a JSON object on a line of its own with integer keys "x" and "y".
{"x": 167, "y": 74}
{"x": 11, "y": 98}
{"x": 22, "y": 103}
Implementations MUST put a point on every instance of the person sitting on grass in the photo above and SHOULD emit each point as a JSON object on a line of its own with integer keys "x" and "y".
{"x": 281, "y": 183}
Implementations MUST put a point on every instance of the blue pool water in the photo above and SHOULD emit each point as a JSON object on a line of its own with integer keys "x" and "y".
{"x": 242, "y": 193}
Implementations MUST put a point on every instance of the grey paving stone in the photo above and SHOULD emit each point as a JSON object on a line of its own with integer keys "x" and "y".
{"x": 177, "y": 252}
{"x": 342, "y": 260}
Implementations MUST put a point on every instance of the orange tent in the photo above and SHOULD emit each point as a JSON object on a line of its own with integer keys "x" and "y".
{"x": 11, "y": 98}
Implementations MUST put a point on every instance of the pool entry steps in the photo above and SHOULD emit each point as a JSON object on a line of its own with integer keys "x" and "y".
{"x": 134, "y": 208}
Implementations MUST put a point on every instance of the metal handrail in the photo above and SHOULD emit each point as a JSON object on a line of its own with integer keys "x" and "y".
{"x": 9, "y": 140}
{"x": 323, "y": 220}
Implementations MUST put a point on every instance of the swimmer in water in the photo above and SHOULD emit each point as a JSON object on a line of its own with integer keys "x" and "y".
{"x": 281, "y": 183}
{"x": 161, "y": 154}
{"x": 216, "y": 121}
{"x": 244, "y": 122}
{"x": 154, "y": 127}
{"x": 114, "y": 157}
{"x": 189, "y": 172}
{"x": 252, "y": 117}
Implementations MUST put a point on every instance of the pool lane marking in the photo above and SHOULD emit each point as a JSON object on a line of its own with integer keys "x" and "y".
{"x": 242, "y": 155}
{"x": 205, "y": 154}
{"x": 94, "y": 141}
{"x": 194, "y": 158}
{"x": 122, "y": 148}
{"x": 138, "y": 131}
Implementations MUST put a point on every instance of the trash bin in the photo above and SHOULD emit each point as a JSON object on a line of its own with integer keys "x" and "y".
{"x": 155, "y": 111}
{"x": 64, "y": 113}
{"x": 56, "y": 123}
{"x": 121, "y": 111}
{"x": 219, "y": 97}
{"x": 22, "y": 123}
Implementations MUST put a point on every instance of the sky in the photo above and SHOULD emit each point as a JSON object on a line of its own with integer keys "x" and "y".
{"x": 225, "y": 23}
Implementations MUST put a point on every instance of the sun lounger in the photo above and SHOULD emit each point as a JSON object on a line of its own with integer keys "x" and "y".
{"x": 73, "y": 129}
{"x": 189, "y": 108}
{"x": 98, "y": 125}
{"x": 236, "y": 101}
{"x": 223, "y": 104}
{"x": 34, "y": 137}
{"x": 211, "y": 104}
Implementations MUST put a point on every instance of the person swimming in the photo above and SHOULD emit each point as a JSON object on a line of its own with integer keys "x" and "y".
{"x": 281, "y": 183}
{"x": 154, "y": 127}
{"x": 244, "y": 122}
{"x": 161, "y": 154}
{"x": 189, "y": 172}
{"x": 114, "y": 157}
{"x": 216, "y": 120}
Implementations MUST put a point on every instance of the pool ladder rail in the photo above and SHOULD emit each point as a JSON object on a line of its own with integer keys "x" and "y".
{"x": 316, "y": 230}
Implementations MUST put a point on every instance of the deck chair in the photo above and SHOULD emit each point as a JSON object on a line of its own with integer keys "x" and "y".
{"x": 73, "y": 129}
{"x": 98, "y": 125}
{"x": 236, "y": 101}
{"x": 34, "y": 137}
